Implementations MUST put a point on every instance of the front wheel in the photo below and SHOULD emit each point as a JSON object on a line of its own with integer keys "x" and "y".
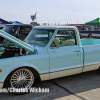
{"x": 21, "y": 78}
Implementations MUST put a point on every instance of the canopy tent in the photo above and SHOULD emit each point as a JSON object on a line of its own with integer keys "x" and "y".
{"x": 16, "y": 22}
{"x": 4, "y": 21}
{"x": 94, "y": 22}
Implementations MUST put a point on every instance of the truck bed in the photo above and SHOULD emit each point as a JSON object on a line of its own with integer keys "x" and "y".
{"x": 85, "y": 42}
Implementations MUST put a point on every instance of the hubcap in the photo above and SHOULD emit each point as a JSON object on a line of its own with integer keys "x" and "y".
{"x": 22, "y": 78}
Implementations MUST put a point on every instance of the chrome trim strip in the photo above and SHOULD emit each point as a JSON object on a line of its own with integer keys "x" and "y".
{"x": 44, "y": 76}
{"x": 91, "y": 64}
{"x": 62, "y": 73}
{"x": 66, "y": 69}
{"x": 62, "y": 70}
{"x": 70, "y": 68}
{"x": 90, "y": 67}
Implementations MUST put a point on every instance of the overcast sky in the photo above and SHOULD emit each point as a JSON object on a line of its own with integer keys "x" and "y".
{"x": 52, "y": 11}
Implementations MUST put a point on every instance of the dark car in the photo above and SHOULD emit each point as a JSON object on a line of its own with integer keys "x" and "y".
{"x": 18, "y": 30}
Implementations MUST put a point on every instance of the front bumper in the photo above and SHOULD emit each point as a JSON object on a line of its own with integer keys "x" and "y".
{"x": 1, "y": 84}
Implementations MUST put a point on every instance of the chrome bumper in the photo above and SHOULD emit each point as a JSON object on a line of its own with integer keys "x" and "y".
{"x": 1, "y": 84}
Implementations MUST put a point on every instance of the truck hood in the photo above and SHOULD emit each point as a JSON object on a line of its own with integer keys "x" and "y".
{"x": 16, "y": 41}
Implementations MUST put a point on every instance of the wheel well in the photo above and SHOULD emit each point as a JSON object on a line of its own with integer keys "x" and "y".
{"x": 32, "y": 69}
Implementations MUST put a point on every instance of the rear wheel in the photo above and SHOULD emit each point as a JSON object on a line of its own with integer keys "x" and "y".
{"x": 23, "y": 78}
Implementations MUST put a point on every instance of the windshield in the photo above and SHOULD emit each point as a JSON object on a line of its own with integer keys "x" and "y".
{"x": 39, "y": 37}
{"x": 9, "y": 29}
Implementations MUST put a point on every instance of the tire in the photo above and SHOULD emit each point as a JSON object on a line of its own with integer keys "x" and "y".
{"x": 21, "y": 78}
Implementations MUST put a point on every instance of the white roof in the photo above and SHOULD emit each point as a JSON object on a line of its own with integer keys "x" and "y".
{"x": 55, "y": 27}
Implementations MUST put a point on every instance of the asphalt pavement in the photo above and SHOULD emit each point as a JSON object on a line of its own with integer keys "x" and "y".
{"x": 84, "y": 86}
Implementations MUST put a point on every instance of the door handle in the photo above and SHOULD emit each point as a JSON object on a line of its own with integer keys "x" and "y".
{"x": 77, "y": 51}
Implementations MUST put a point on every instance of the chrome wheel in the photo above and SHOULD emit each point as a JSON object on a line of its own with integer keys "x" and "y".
{"x": 22, "y": 78}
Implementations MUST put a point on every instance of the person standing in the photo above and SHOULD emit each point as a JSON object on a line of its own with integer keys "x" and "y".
{"x": 90, "y": 35}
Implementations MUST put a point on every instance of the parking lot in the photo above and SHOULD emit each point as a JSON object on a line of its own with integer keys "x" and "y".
{"x": 85, "y": 86}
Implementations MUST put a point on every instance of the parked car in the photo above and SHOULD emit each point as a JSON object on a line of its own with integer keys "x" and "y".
{"x": 50, "y": 52}
{"x": 18, "y": 30}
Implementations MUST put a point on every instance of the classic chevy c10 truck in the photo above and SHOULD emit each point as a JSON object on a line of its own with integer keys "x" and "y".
{"x": 49, "y": 52}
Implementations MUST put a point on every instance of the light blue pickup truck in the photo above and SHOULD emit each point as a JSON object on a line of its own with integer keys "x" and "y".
{"x": 48, "y": 53}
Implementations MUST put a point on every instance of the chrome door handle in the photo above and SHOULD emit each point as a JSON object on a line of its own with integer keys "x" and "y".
{"x": 77, "y": 51}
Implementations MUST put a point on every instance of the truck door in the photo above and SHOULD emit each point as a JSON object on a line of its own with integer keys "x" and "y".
{"x": 65, "y": 54}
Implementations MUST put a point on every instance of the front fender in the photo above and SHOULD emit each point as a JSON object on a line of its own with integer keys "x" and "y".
{"x": 39, "y": 62}
{"x": 20, "y": 66}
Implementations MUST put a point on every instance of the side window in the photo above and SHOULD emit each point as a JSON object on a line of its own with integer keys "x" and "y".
{"x": 64, "y": 38}
{"x": 24, "y": 31}
{"x": 17, "y": 33}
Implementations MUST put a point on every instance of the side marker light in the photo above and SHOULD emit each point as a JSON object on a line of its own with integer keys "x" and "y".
{"x": 0, "y": 70}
